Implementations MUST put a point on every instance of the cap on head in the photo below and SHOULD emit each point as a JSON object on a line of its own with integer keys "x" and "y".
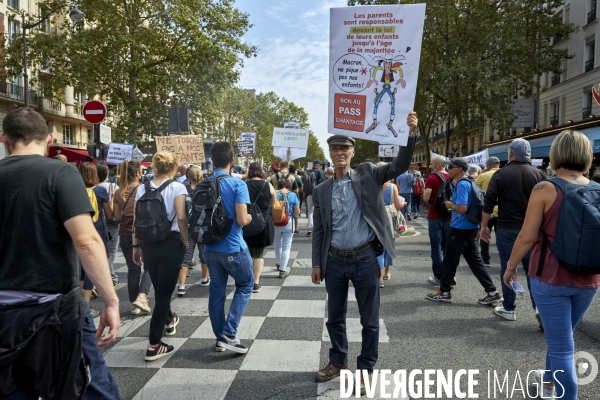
{"x": 340, "y": 140}
{"x": 493, "y": 161}
{"x": 458, "y": 162}
{"x": 521, "y": 150}
{"x": 317, "y": 162}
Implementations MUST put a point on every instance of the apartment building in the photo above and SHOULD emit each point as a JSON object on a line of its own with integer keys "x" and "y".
{"x": 566, "y": 100}
{"x": 62, "y": 111}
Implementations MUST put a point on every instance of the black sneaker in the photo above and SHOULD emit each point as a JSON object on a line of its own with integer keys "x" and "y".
{"x": 453, "y": 282}
{"x": 487, "y": 300}
{"x": 256, "y": 288}
{"x": 162, "y": 350}
{"x": 408, "y": 217}
{"x": 232, "y": 344}
{"x": 438, "y": 295}
{"x": 296, "y": 231}
{"x": 171, "y": 327}
{"x": 309, "y": 233}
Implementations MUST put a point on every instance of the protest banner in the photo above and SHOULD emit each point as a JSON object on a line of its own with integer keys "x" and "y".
{"x": 477, "y": 158}
{"x": 374, "y": 64}
{"x": 119, "y": 152}
{"x": 189, "y": 149}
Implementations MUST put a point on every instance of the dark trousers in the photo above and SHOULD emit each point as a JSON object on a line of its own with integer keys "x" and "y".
{"x": 363, "y": 271}
{"x": 163, "y": 262}
{"x": 485, "y": 246}
{"x": 134, "y": 271}
{"x": 102, "y": 385}
{"x": 464, "y": 242}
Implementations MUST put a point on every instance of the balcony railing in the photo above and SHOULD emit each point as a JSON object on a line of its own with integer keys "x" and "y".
{"x": 589, "y": 65}
{"x": 13, "y": 4}
{"x": 554, "y": 121}
{"x": 555, "y": 80}
{"x": 50, "y": 105}
{"x": 591, "y": 16}
{"x": 586, "y": 112}
{"x": 16, "y": 92}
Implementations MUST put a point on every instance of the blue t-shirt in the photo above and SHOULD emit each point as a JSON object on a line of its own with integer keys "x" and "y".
{"x": 462, "y": 195}
{"x": 233, "y": 191}
{"x": 406, "y": 182}
{"x": 292, "y": 200}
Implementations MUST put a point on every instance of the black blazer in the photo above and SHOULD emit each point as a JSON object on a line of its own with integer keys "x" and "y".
{"x": 367, "y": 180}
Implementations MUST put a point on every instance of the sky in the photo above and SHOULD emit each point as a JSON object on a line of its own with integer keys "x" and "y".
{"x": 293, "y": 54}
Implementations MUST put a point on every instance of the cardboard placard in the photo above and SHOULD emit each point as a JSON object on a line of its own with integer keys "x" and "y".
{"x": 189, "y": 149}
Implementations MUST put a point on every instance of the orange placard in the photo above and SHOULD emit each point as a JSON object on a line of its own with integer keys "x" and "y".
{"x": 349, "y": 111}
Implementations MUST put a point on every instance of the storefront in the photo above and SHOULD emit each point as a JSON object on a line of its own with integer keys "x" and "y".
{"x": 74, "y": 154}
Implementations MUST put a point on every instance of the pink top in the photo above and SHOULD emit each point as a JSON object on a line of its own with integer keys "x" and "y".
{"x": 553, "y": 273}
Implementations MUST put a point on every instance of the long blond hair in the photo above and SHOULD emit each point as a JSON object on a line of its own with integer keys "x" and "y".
{"x": 129, "y": 170}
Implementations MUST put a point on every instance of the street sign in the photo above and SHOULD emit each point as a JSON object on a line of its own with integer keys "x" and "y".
{"x": 94, "y": 111}
{"x": 105, "y": 134}
{"x": 388, "y": 150}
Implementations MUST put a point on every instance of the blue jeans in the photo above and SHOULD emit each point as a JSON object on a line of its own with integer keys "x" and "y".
{"x": 505, "y": 240}
{"x": 283, "y": 244}
{"x": 438, "y": 230}
{"x": 561, "y": 308}
{"x": 221, "y": 266}
{"x": 416, "y": 203}
{"x": 406, "y": 210}
{"x": 363, "y": 271}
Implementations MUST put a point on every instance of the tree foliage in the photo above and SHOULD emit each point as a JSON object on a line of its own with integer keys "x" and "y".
{"x": 142, "y": 57}
{"x": 477, "y": 54}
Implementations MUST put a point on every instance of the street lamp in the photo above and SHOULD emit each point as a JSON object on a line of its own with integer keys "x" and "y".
{"x": 75, "y": 16}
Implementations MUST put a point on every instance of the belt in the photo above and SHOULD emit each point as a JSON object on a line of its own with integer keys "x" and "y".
{"x": 349, "y": 252}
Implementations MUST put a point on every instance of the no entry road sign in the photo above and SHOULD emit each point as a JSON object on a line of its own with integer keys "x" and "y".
{"x": 94, "y": 111}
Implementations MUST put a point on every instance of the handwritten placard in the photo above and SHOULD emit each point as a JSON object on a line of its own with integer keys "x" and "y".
{"x": 189, "y": 149}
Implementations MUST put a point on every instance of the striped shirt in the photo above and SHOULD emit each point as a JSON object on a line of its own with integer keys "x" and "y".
{"x": 349, "y": 229}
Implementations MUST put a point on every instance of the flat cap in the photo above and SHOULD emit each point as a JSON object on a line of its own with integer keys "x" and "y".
{"x": 458, "y": 162}
{"x": 493, "y": 161}
{"x": 340, "y": 140}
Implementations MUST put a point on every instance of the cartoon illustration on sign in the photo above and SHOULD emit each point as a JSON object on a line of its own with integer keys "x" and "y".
{"x": 390, "y": 67}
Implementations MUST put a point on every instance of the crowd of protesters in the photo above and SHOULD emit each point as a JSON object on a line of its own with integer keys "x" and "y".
{"x": 352, "y": 231}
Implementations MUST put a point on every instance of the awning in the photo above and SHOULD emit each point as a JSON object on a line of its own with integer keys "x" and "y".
{"x": 593, "y": 134}
{"x": 541, "y": 147}
{"x": 499, "y": 151}
{"x": 76, "y": 156}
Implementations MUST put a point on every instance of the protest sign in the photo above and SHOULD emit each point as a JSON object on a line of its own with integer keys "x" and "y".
{"x": 119, "y": 152}
{"x": 290, "y": 137}
{"x": 374, "y": 65}
{"x": 189, "y": 149}
{"x": 245, "y": 148}
{"x": 477, "y": 158}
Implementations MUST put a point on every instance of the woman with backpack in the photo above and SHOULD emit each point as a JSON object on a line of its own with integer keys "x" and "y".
{"x": 89, "y": 173}
{"x": 284, "y": 232}
{"x": 263, "y": 195}
{"x": 161, "y": 236}
{"x": 390, "y": 195}
{"x": 417, "y": 195}
{"x": 194, "y": 177}
{"x": 138, "y": 279}
{"x": 562, "y": 297}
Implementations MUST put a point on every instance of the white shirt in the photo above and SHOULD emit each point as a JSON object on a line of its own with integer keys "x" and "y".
{"x": 169, "y": 193}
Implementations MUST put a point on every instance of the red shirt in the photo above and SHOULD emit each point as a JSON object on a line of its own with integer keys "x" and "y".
{"x": 434, "y": 182}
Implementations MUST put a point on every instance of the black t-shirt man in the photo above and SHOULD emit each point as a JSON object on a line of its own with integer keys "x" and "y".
{"x": 32, "y": 216}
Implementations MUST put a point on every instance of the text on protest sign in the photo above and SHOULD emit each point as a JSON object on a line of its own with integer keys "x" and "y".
{"x": 288, "y": 137}
{"x": 477, "y": 158}
{"x": 245, "y": 148}
{"x": 119, "y": 152}
{"x": 374, "y": 63}
{"x": 187, "y": 148}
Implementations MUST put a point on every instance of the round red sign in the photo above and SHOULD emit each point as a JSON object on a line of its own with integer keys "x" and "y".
{"x": 94, "y": 112}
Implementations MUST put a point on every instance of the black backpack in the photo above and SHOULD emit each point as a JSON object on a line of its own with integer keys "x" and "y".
{"x": 309, "y": 181}
{"x": 257, "y": 225}
{"x": 209, "y": 220}
{"x": 475, "y": 210}
{"x": 444, "y": 194}
{"x": 151, "y": 221}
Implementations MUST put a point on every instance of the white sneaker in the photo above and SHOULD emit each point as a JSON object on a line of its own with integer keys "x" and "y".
{"x": 205, "y": 282}
{"x": 141, "y": 304}
{"x": 135, "y": 311}
{"x": 433, "y": 280}
{"x": 509, "y": 315}
{"x": 547, "y": 392}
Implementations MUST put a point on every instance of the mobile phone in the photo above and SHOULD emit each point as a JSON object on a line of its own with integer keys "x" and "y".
{"x": 517, "y": 287}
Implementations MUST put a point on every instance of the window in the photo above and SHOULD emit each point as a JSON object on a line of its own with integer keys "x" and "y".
{"x": 587, "y": 105}
{"x": 90, "y": 135}
{"x": 590, "y": 51}
{"x": 13, "y": 31}
{"x": 555, "y": 79}
{"x": 68, "y": 134}
{"x": 554, "y": 112}
{"x": 472, "y": 145}
{"x": 592, "y": 14}
{"x": 13, "y": 4}
{"x": 45, "y": 25}
{"x": 480, "y": 141}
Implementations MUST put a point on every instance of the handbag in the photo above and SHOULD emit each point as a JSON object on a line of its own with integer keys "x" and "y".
{"x": 257, "y": 225}
{"x": 397, "y": 221}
